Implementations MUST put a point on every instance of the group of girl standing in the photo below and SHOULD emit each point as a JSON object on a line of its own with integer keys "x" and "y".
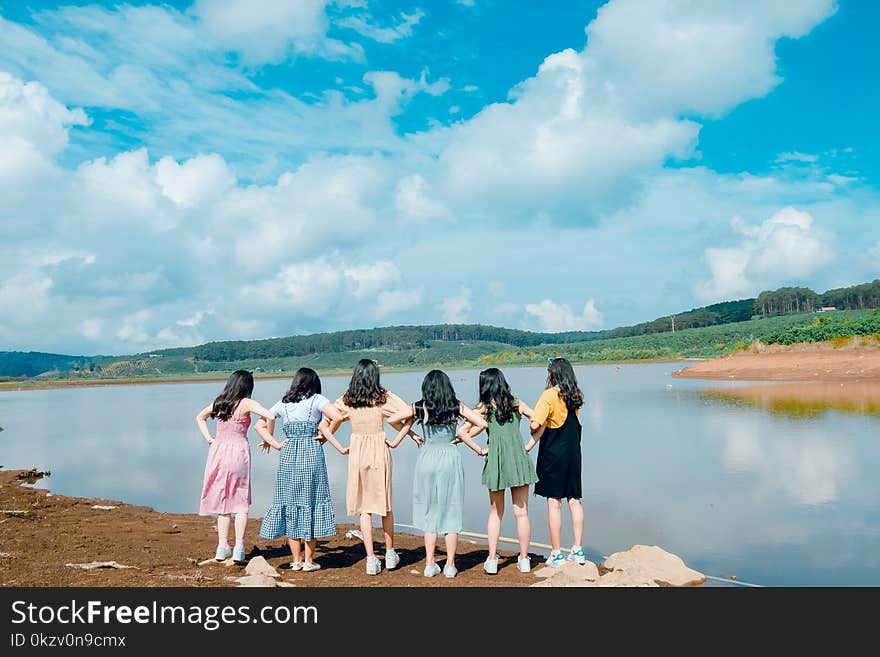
{"x": 302, "y": 509}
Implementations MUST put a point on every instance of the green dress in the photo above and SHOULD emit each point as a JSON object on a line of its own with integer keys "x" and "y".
{"x": 507, "y": 465}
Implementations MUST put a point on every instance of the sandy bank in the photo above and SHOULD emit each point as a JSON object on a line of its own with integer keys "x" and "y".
{"x": 804, "y": 362}
{"x": 42, "y": 532}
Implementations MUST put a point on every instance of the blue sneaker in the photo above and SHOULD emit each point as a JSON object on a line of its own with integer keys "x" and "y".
{"x": 223, "y": 552}
{"x": 555, "y": 560}
{"x": 238, "y": 553}
{"x": 577, "y": 555}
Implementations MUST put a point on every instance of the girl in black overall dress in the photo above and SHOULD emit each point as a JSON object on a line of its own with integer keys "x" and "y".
{"x": 556, "y": 426}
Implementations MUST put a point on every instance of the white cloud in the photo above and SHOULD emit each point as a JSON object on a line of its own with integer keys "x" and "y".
{"x": 456, "y": 309}
{"x": 270, "y": 30}
{"x": 363, "y": 24}
{"x": 574, "y": 140}
{"x": 319, "y": 287}
{"x": 388, "y": 303}
{"x": 786, "y": 247}
{"x": 796, "y": 156}
{"x": 200, "y": 178}
{"x": 413, "y": 201}
{"x": 557, "y": 317}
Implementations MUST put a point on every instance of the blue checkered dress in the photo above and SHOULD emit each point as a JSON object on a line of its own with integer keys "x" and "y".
{"x": 302, "y": 507}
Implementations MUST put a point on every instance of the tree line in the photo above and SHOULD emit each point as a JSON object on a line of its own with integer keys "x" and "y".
{"x": 789, "y": 300}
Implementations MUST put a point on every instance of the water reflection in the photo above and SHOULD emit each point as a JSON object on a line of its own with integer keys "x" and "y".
{"x": 730, "y": 487}
{"x": 808, "y": 467}
{"x": 804, "y": 399}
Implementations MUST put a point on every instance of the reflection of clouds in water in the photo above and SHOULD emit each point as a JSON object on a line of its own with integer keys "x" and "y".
{"x": 808, "y": 467}
{"x": 594, "y": 410}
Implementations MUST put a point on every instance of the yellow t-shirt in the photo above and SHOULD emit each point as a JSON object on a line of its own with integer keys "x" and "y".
{"x": 551, "y": 409}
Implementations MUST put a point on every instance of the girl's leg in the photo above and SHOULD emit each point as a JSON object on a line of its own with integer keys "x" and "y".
{"x": 240, "y": 527}
{"x": 388, "y": 529}
{"x": 496, "y": 512}
{"x": 520, "y": 496}
{"x": 554, "y": 516}
{"x": 310, "y": 550}
{"x": 367, "y": 532}
{"x": 430, "y": 546}
{"x": 223, "y": 529}
{"x": 295, "y": 549}
{"x": 451, "y": 545}
{"x": 577, "y": 520}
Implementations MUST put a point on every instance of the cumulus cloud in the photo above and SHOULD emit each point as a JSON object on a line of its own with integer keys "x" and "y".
{"x": 785, "y": 247}
{"x": 574, "y": 139}
{"x": 557, "y": 317}
{"x": 414, "y": 202}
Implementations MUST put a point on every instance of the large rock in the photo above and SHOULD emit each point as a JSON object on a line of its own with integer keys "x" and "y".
{"x": 259, "y": 566}
{"x": 649, "y": 562}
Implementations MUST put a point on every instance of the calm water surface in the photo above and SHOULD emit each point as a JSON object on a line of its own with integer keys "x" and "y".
{"x": 733, "y": 488}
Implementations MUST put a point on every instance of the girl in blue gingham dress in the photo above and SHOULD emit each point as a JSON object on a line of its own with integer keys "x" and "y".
{"x": 302, "y": 509}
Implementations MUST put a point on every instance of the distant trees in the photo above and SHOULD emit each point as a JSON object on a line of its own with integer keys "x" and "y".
{"x": 857, "y": 297}
{"x": 785, "y": 301}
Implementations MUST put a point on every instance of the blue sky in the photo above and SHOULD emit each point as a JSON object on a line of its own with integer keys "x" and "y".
{"x": 181, "y": 172}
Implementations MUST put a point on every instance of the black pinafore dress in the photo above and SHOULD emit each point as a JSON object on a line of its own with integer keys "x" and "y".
{"x": 559, "y": 460}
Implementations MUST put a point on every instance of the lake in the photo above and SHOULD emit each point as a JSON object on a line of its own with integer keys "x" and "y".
{"x": 732, "y": 485}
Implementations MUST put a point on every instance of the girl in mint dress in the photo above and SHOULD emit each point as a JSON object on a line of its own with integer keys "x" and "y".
{"x": 438, "y": 487}
{"x": 507, "y": 463}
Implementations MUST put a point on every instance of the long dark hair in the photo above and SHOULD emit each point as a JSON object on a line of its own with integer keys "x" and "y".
{"x": 495, "y": 395}
{"x": 562, "y": 375}
{"x": 364, "y": 389}
{"x": 438, "y": 400}
{"x": 305, "y": 383}
{"x": 239, "y": 386}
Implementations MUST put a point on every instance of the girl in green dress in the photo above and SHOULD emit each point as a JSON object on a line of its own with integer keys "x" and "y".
{"x": 507, "y": 465}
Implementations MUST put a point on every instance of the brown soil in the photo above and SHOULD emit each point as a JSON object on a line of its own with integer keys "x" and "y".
{"x": 40, "y": 533}
{"x": 803, "y": 362}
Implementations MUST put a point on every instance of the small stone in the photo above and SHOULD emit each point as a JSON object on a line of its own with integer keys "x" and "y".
{"x": 259, "y": 566}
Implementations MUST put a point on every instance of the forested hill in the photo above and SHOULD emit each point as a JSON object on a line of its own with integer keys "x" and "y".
{"x": 441, "y": 343}
{"x": 420, "y": 337}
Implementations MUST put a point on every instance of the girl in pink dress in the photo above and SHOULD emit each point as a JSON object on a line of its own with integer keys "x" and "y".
{"x": 227, "y": 484}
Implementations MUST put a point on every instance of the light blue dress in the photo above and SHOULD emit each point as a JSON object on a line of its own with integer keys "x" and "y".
{"x": 438, "y": 489}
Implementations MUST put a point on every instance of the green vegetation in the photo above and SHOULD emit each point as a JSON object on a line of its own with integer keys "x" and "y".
{"x": 782, "y": 316}
{"x": 827, "y": 328}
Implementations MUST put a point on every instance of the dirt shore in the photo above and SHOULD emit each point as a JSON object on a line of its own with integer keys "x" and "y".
{"x": 823, "y": 361}
{"x": 40, "y": 533}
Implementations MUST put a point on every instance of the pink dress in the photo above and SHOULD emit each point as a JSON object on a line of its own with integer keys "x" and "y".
{"x": 227, "y": 486}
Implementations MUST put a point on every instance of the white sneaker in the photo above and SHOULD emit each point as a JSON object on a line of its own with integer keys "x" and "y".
{"x": 524, "y": 565}
{"x": 555, "y": 560}
{"x": 391, "y": 559}
{"x": 491, "y": 566}
{"x": 432, "y": 570}
{"x": 374, "y": 566}
{"x": 577, "y": 555}
{"x": 450, "y": 571}
{"x": 223, "y": 553}
{"x": 310, "y": 567}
